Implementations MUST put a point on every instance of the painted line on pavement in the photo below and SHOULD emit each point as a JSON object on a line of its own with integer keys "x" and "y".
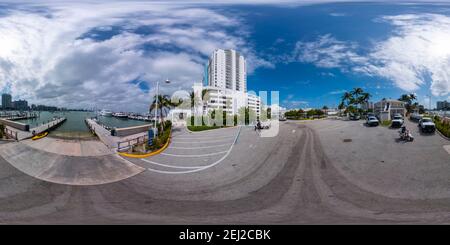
{"x": 201, "y": 142}
{"x": 202, "y": 168}
{"x": 200, "y": 147}
{"x": 196, "y": 155}
{"x": 172, "y": 166}
{"x": 203, "y": 138}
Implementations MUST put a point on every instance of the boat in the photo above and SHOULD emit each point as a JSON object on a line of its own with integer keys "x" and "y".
{"x": 120, "y": 115}
{"x": 40, "y": 136}
{"x": 106, "y": 113}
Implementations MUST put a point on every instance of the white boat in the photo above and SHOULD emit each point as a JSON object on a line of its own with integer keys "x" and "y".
{"x": 120, "y": 115}
{"x": 106, "y": 113}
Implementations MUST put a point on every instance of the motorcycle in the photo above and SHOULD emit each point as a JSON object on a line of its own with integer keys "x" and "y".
{"x": 406, "y": 135}
{"x": 260, "y": 127}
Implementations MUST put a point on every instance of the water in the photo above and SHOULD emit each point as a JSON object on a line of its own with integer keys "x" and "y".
{"x": 442, "y": 113}
{"x": 75, "y": 126}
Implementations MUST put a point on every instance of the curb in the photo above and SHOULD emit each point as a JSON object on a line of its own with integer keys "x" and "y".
{"x": 442, "y": 135}
{"x": 147, "y": 154}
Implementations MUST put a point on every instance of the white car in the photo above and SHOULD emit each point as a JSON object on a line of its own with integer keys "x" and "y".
{"x": 372, "y": 121}
{"x": 426, "y": 125}
{"x": 397, "y": 121}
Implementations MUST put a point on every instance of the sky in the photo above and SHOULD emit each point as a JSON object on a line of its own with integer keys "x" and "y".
{"x": 110, "y": 54}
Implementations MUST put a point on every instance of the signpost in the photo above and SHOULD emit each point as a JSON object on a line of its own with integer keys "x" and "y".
{"x": 151, "y": 135}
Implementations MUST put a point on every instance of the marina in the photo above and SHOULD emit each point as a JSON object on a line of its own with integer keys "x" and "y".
{"x": 75, "y": 126}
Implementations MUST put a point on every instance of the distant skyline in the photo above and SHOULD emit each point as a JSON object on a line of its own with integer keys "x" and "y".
{"x": 110, "y": 54}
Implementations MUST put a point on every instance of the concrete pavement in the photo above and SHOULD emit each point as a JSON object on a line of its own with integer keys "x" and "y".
{"x": 294, "y": 178}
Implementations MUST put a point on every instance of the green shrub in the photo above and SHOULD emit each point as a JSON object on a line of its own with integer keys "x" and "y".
{"x": 201, "y": 128}
{"x": 443, "y": 127}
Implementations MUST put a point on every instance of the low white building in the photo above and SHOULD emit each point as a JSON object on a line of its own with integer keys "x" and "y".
{"x": 386, "y": 109}
{"x": 227, "y": 100}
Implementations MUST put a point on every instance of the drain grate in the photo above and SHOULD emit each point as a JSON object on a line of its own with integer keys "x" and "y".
{"x": 347, "y": 140}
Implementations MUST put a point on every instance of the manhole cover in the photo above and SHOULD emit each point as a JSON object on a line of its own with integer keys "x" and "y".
{"x": 347, "y": 140}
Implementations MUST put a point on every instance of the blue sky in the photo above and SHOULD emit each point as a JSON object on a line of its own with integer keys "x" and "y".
{"x": 110, "y": 54}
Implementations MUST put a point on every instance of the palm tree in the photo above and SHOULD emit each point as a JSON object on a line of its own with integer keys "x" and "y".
{"x": 357, "y": 91}
{"x": 347, "y": 97}
{"x": 164, "y": 104}
{"x": 408, "y": 99}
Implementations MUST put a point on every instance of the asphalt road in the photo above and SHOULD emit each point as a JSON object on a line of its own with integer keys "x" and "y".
{"x": 305, "y": 175}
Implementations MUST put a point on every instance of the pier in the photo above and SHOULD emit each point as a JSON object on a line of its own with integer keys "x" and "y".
{"x": 113, "y": 142}
{"x": 22, "y": 134}
{"x": 18, "y": 116}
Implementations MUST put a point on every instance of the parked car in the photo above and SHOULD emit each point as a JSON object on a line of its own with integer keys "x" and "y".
{"x": 426, "y": 125}
{"x": 397, "y": 121}
{"x": 372, "y": 121}
{"x": 354, "y": 116}
{"x": 416, "y": 116}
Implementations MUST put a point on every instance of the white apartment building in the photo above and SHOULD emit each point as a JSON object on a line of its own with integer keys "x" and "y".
{"x": 227, "y": 70}
{"x": 227, "y": 100}
{"x": 226, "y": 82}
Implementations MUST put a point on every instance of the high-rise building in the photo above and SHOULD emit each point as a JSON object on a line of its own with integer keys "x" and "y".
{"x": 226, "y": 81}
{"x": 20, "y": 105}
{"x": 443, "y": 105}
{"x": 227, "y": 70}
{"x": 6, "y": 101}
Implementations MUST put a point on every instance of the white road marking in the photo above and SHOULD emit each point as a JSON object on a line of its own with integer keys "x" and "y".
{"x": 447, "y": 148}
{"x": 201, "y": 168}
{"x": 172, "y": 166}
{"x": 200, "y": 142}
{"x": 196, "y": 155}
{"x": 199, "y": 147}
{"x": 203, "y": 138}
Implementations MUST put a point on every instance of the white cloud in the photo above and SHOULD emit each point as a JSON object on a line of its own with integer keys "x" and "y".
{"x": 337, "y": 92}
{"x": 419, "y": 47}
{"x": 338, "y": 14}
{"x": 53, "y": 57}
{"x": 417, "y": 52}
{"x": 326, "y": 52}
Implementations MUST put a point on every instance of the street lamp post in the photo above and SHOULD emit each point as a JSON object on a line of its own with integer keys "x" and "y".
{"x": 156, "y": 105}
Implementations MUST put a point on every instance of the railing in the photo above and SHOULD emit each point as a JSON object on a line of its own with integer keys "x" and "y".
{"x": 126, "y": 144}
{"x": 11, "y": 133}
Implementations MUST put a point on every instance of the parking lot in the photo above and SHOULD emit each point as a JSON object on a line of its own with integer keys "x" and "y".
{"x": 313, "y": 172}
{"x": 376, "y": 160}
{"x": 192, "y": 152}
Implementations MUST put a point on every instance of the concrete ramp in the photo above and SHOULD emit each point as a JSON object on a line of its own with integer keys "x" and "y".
{"x": 69, "y": 170}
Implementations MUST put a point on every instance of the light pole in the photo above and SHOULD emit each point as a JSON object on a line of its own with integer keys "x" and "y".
{"x": 156, "y": 105}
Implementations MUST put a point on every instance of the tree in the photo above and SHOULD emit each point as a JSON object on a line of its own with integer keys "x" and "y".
{"x": 164, "y": 104}
{"x": 325, "y": 107}
{"x": 352, "y": 100}
{"x": 408, "y": 99}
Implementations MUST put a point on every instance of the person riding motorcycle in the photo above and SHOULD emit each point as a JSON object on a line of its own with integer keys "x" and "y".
{"x": 258, "y": 125}
{"x": 405, "y": 134}
{"x": 403, "y": 130}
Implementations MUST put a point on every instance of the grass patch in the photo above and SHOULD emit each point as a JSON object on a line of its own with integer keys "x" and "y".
{"x": 386, "y": 123}
{"x": 202, "y": 128}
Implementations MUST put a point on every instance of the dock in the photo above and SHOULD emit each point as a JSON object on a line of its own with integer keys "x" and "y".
{"x": 22, "y": 135}
{"x": 112, "y": 142}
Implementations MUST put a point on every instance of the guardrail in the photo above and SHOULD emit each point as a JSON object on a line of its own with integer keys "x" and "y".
{"x": 126, "y": 144}
{"x": 11, "y": 133}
